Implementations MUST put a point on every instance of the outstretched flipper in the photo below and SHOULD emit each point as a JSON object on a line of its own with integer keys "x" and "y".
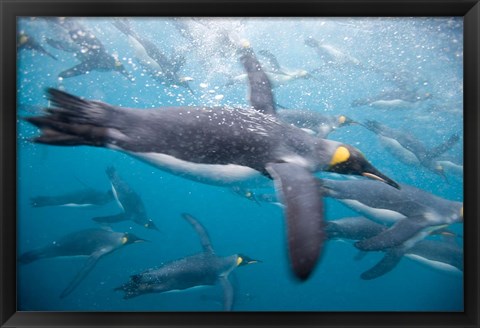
{"x": 204, "y": 239}
{"x": 92, "y": 260}
{"x": 300, "y": 192}
{"x": 227, "y": 293}
{"x": 389, "y": 261}
{"x": 399, "y": 233}
{"x": 440, "y": 149}
{"x": 111, "y": 218}
{"x": 261, "y": 96}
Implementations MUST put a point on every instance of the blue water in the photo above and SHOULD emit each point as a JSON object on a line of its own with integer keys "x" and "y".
{"x": 429, "y": 50}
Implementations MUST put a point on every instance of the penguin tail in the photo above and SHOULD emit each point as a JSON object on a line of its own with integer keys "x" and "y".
{"x": 72, "y": 121}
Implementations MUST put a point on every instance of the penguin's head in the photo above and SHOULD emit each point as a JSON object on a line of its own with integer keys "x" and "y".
{"x": 349, "y": 160}
{"x": 245, "y": 260}
{"x": 345, "y": 120}
{"x": 151, "y": 225}
{"x": 130, "y": 238}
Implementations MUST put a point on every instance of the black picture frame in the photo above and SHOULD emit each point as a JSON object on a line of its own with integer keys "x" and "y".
{"x": 10, "y": 10}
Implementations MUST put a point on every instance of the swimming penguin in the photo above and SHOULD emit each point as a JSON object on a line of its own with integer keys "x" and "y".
{"x": 91, "y": 53}
{"x": 152, "y": 59}
{"x": 202, "y": 269}
{"x": 321, "y": 125}
{"x": 440, "y": 254}
{"x": 219, "y": 146}
{"x": 332, "y": 55}
{"x": 93, "y": 243}
{"x": 414, "y": 213}
{"x": 129, "y": 201}
{"x": 276, "y": 74}
{"x": 394, "y": 99}
{"x": 409, "y": 149}
{"x": 25, "y": 41}
{"x": 80, "y": 198}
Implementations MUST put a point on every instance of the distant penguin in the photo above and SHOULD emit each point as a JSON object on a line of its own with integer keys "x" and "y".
{"x": 25, "y": 41}
{"x": 90, "y": 52}
{"x": 80, "y": 198}
{"x": 152, "y": 59}
{"x": 394, "y": 99}
{"x": 332, "y": 55}
{"x": 93, "y": 243}
{"x": 129, "y": 201}
{"x": 220, "y": 146}
{"x": 444, "y": 255}
{"x": 408, "y": 149}
{"x": 320, "y": 124}
{"x": 276, "y": 74}
{"x": 414, "y": 213}
{"x": 202, "y": 269}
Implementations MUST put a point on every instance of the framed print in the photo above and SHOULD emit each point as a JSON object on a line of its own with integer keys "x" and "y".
{"x": 222, "y": 163}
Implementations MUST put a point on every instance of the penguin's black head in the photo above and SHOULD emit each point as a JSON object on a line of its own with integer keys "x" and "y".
{"x": 245, "y": 260}
{"x": 151, "y": 225}
{"x": 130, "y": 238}
{"x": 349, "y": 160}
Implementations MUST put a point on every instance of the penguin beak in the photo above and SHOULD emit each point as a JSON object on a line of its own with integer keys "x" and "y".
{"x": 141, "y": 241}
{"x": 374, "y": 174}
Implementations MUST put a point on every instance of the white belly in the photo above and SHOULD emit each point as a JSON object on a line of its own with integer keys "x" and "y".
{"x": 435, "y": 264}
{"x": 394, "y": 103}
{"x": 213, "y": 174}
{"x": 377, "y": 214}
{"x": 397, "y": 150}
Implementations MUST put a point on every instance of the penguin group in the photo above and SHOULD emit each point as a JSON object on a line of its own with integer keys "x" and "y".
{"x": 299, "y": 158}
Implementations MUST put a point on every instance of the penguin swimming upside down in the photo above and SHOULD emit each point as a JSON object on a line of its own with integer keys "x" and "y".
{"x": 93, "y": 243}
{"x": 220, "y": 146}
{"x": 202, "y": 269}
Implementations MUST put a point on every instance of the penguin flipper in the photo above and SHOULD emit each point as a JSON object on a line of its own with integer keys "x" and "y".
{"x": 80, "y": 69}
{"x": 389, "y": 261}
{"x": 394, "y": 236}
{"x": 303, "y": 200}
{"x": 87, "y": 267}
{"x": 202, "y": 233}
{"x": 227, "y": 293}
{"x": 261, "y": 95}
{"x": 111, "y": 218}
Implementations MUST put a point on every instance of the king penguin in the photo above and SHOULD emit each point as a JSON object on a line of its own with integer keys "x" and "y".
{"x": 129, "y": 201}
{"x": 441, "y": 254}
{"x": 93, "y": 243}
{"x": 414, "y": 213}
{"x": 202, "y": 269}
{"x": 409, "y": 149}
{"x": 221, "y": 146}
{"x": 79, "y": 198}
{"x": 25, "y": 41}
{"x": 91, "y": 52}
{"x": 152, "y": 59}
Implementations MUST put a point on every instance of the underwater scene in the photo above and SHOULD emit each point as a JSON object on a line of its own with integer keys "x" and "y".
{"x": 240, "y": 164}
